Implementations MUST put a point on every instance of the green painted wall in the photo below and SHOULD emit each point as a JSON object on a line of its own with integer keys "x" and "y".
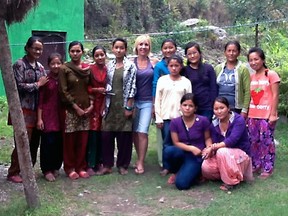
{"x": 49, "y": 15}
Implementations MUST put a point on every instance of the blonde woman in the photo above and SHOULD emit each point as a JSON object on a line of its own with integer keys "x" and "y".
{"x": 143, "y": 98}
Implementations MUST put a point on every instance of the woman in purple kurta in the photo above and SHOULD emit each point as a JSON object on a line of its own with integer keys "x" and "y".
{"x": 228, "y": 157}
{"x": 190, "y": 135}
{"x": 51, "y": 148}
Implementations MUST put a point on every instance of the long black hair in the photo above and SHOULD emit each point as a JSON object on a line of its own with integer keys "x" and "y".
{"x": 189, "y": 96}
{"x": 74, "y": 43}
{"x": 260, "y": 52}
{"x": 202, "y": 73}
{"x": 31, "y": 40}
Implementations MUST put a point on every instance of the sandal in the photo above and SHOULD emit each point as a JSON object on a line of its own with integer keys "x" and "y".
{"x": 226, "y": 187}
{"x": 171, "y": 179}
{"x": 264, "y": 175}
{"x": 73, "y": 175}
{"x": 49, "y": 177}
{"x": 139, "y": 170}
{"x": 122, "y": 171}
{"x": 83, "y": 174}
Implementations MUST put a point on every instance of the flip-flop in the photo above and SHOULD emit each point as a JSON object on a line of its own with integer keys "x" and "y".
{"x": 139, "y": 171}
{"x": 264, "y": 175}
{"x": 73, "y": 175}
{"x": 171, "y": 180}
{"x": 83, "y": 174}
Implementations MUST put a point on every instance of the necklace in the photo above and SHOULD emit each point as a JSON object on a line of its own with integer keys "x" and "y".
{"x": 189, "y": 122}
{"x": 142, "y": 64}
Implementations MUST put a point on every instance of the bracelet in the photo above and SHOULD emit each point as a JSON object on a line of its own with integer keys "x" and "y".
{"x": 128, "y": 108}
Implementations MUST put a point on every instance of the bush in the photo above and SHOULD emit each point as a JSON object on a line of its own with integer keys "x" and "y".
{"x": 6, "y": 131}
{"x": 275, "y": 45}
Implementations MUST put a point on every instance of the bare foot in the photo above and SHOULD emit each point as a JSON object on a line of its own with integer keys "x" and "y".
{"x": 49, "y": 176}
{"x": 172, "y": 179}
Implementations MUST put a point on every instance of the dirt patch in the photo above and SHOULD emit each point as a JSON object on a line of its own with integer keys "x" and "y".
{"x": 143, "y": 195}
{"x": 7, "y": 189}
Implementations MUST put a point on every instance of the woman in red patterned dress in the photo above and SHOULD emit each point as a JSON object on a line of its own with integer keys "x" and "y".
{"x": 97, "y": 88}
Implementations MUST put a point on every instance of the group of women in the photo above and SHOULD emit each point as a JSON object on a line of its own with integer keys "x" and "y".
{"x": 86, "y": 108}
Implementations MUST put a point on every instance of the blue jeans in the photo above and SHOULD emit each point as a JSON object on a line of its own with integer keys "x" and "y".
{"x": 185, "y": 165}
{"x": 167, "y": 141}
{"x": 142, "y": 117}
{"x": 207, "y": 113}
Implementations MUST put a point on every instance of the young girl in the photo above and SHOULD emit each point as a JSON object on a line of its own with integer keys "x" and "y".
{"x": 190, "y": 135}
{"x": 117, "y": 121}
{"x": 168, "y": 48}
{"x": 74, "y": 78}
{"x": 262, "y": 116}
{"x": 97, "y": 88}
{"x": 143, "y": 99}
{"x": 51, "y": 148}
{"x": 170, "y": 89}
{"x": 30, "y": 76}
{"x": 203, "y": 79}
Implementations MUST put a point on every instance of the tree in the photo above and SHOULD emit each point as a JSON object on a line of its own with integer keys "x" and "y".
{"x": 14, "y": 11}
{"x": 255, "y": 11}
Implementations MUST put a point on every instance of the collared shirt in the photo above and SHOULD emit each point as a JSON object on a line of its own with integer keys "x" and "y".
{"x": 236, "y": 135}
{"x": 26, "y": 79}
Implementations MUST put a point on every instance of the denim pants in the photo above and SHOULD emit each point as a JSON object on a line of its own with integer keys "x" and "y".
{"x": 207, "y": 113}
{"x": 185, "y": 165}
{"x": 167, "y": 141}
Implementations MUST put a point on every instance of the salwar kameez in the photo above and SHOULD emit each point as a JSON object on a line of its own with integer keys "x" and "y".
{"x": 231, "y": 165}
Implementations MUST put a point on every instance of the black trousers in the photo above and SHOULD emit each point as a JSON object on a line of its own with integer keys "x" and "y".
{"x": 14, "y": 168}
{"x": 51, "y": 151}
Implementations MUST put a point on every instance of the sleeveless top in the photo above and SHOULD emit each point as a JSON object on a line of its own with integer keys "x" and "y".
{"x": 144, "y": 79}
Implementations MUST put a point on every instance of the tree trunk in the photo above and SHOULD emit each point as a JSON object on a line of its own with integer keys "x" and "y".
{"x": 256, "y": 35}
{"x": 20, "y": 132}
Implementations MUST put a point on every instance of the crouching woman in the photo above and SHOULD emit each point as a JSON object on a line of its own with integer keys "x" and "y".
{"x": 228, "y": 158}
{"x": 190, "y": 135}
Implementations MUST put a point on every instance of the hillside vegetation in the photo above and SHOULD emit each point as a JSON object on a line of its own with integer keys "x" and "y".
{"x": 252, "y": 23}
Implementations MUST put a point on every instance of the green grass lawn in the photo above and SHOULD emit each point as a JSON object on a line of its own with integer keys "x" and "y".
{"x": 149, "y": 194}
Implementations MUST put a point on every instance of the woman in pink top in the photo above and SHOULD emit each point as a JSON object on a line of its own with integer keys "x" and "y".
{"x": 262, "y": 115}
